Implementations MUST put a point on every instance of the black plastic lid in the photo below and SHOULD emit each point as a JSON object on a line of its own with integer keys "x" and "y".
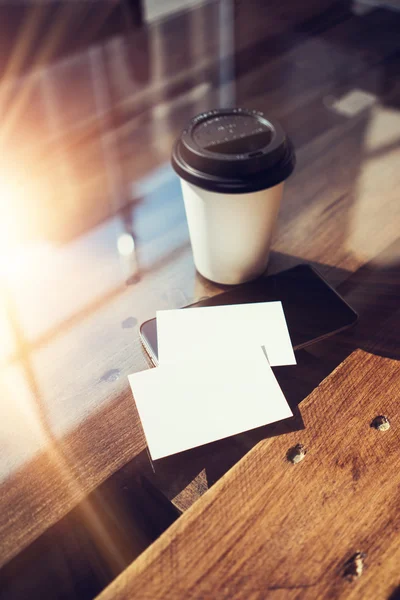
{"x": 234, "y": 151}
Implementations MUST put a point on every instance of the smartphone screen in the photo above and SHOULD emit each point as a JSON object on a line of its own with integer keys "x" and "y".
{"x": 312, "y": 308}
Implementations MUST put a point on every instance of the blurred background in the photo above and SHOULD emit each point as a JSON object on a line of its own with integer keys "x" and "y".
{"x": 93, "y": 235}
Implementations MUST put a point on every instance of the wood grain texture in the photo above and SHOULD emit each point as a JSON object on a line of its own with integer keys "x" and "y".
{"x": 273, "y": 529}
{"x": 67, "y": 418}
{"x": 84, "y": 551}
{"x": 56, "y": 481}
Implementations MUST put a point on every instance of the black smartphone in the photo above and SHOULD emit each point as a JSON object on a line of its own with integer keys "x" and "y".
{"x": 313, "y": 309}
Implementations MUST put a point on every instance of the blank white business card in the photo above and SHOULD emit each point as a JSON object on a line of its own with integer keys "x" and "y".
{"x": 224, "y": 332}
{"x": 188, "y": 405}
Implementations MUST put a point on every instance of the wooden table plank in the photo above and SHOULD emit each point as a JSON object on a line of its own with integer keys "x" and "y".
{"x": 77, "y": 425}
{"x": 270, "y": 528}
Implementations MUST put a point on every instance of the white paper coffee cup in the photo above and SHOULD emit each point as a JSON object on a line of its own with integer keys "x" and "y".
{"x": 232, "y": 164}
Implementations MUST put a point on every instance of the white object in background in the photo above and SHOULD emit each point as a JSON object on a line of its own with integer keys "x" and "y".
{"x": 154, "y": 10}
{"x": 353, "y": 103}
{"x": 224, "y": 332}
{"x": 231, "y": 234}
{"x": 184, "y": 406}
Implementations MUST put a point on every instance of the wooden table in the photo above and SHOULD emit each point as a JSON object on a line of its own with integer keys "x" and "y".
{"x": 323, "y": 527}
{"x": 90, "y": 141}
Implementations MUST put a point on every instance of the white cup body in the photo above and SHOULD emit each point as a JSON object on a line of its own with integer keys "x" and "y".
{"x": 231, "y": 234}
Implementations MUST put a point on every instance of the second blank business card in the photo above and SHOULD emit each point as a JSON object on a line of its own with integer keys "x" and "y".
{"x": 224, "y": 332}
{"x": 184, "y": 406}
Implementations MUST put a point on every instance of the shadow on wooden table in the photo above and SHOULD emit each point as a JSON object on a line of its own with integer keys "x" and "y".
{"x": 82, "y": 553}
{"x": 374, "y": 292}
{"x": 395, "y": 595}
{"x": 93, "y": 543}
{"x": 185, "y": 476}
